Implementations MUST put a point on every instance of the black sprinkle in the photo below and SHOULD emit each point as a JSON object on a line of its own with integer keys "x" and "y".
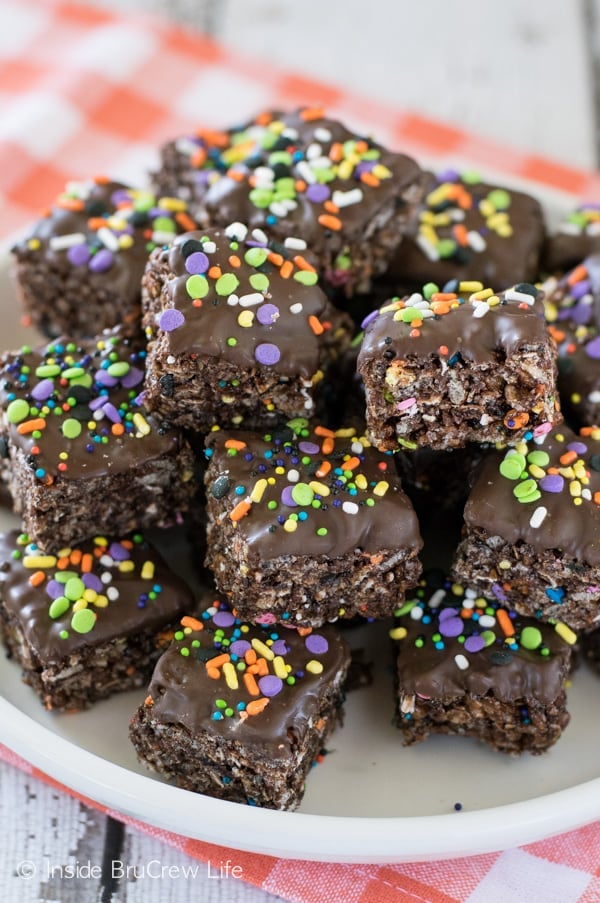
{"x": 221, "y": 486}
{"x": 167, "y": 384}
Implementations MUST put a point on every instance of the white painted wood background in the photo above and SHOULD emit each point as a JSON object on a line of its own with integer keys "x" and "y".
{"x": 527, "y": 74}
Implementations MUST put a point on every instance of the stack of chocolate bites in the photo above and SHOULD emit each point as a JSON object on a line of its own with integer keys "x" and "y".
{"x": 219, "y": 361}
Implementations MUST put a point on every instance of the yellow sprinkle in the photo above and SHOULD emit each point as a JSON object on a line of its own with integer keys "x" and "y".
{"x": 64, "y": 553}
{"x": 578, "y": 501}
{"x": 125, "y": 241}
{"x": 314, "y": 666}
{"x": 126, "y": 566}
{"x": 437, "y": 196}
{"x": 398, "y": 633}
{"x": 39, "y": 561}
{"x": 80, "y": 605}
{"x": 457, "y": 589}
{"x": 34, "y": 244}
{"x": 147, "y": 571}
{"x": 101, "y": 602}
{"x": 567, "y": 472}
{"x": 381, "y": 488}
{"x": 393, "y": 305}
{"x": 536, "y": 471}
{"x": 262, "y": 649}
{"x": 381, "y": 171}
{"x": 290, "y": 526}
{"x": 482, "y": 296}
{"x": 258, "y": 490}
{"x": 174, "y": 204}
{"x": 565, "y": 633}
{"x": 141, "y": 424}
{"x": 100, "y": 541}
{"x": 504, "y": 565}
{"x": 486, "y": 208}
{"x": 279, "y": 470}
{"x": 345, "y": 168}
{"x": 279, "y": 667}
{"x": 504, "y": 231}
{"x": 575, "y": 488}
{"x": 271, "y": 481}
{"x": 471, "y": 285}
{"x": 427, "y": 216}
{"x": 440, "y": 219}
{"x": 89, "y": 595}
{"x": 429, "y": 233}
{"x": 230, "y": 675}
{"x": 246, "y": 318}
{"x": 321, "y": 488}
{"x": 361, "y": 481}
{"x": 494, "y": 301}
{"x": 497, "y": 220}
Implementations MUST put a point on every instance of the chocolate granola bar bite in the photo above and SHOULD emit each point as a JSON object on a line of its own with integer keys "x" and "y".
{"x": 79, "y": 269}
{"x": 532, "y": 528}
{"x": 469, "y": 229}
{"x": 468, "y": 665}
{"x": 577, "y": 237}
{"x": 307, "y": 525}
{"x": 445, "y": 368}
{"x": 83, "y": 455}
{"x": 572, "y": 305}
{"x": 90, "y": 621}
{"x": 300, "y": 174}
{"x": 241, "y": 712}
{"x": 239, "y": 331}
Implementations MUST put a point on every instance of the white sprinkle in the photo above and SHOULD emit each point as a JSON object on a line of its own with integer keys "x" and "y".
{"x": 538, "y": 517}
{"x": 289, "y": 204}
{"x": 512, "y": 295}
{"x": 107, "y": 561}
{"x": 209, "y": 247}
{"x": 437, "y": 598}
{"x": 322, "y": 134}
{"x": 108, "y": 238}
{"x": 236, "y": 230}
{"x": 347, "y": 198}
{"x": 98, "y": 414}
{"x": 305, "y": 171}
{"x": 350, "y": 508}
{"x": 162, "y": 238}
{"x": 277, "y": 208}
{"x": 426, "y": 313}
{"x": 293, "y": 475}
{"x": 251, "y": 299}
{"x": 470, "y": 593}
{"x": 476, "y": 241}
{"x": 296, "y": 308}
{"x": 480, "y": 310}
{"x": 263, "y": 175}
{"x": 106, "y": 577}
{"x": 357, "y": 448}
{"x": 185, "y": 146}
{"x": 586, "y": 494}
{"x": 569, "y": 229}
{"x": 417, "y": 300}
{"x": 313, "y": 151}
{"x": 112, "y": 593}
{"x": 594, "y": 396}
{"x": 487, "y": 621}
{"x": 259, "y": 235}
{"x": 593, "y": 228}
{"x": 461, "y": 662}
{"x": 457, "y": 216}
{"x": 427, "y": 248}
{"x": 232, "y": 300}
{"x": 288, "y": 132}
{"x": 322, "y": 163}
{"x": 295, "y": 244}
{"x": 61, "y": 242}
{"x": 416, "y": 613}
{"x": 171, "y": 359}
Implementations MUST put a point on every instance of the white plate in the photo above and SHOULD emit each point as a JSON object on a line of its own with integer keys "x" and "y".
{"x": 371, "y": 800}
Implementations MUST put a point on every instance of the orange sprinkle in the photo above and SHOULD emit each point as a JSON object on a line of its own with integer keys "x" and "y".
{"x": 148, "y": 701}
{"x": 235, "y": 175}
{"x": 336, "y": 151}
{"x": 213, "y": 672}
{"x": 415, "y": 333}
{"x": 218, "y": 660}
{"x": 198, "y": 157}
{"x": 460, "y": 234}
{"x": 75, "y": 204}
{"x": 214, "y": 272}
{"x": 213, "y": 136}
{"x": 87, "y": 562}
{"x": 127, "y": 544}
{"x": 330, "y": 207}
{"x": 316, "y": 325}
{"x": 197, "y": 302}
{"x": 505, "y": 622}
{"x": 351, "y": 463}
{"x": 568, "y": 458}
{"x": 444, "y": 296}
{"x": 192, "y": 623}
{"x": 324, "y": 468}
{"x": 185, "y": 221}
{"x": 577, "y": 274}
{"x": 76, "y": 556}
{"x": 37, "y": 578}
{"x": 274, "y": 258}
{"x": 63, "y": 563}
{"x": 262, "y": 667}
{"x": 361, "y": 146}
{"x": 235, "y": 443}
{"x": 324, "y": 431}
{"x": 250, "y": 684}
{"x": 264, "y": 118}
{"x": 117, "y": 429}
{"x": 303, "y": 264}
{"x": 328, "y": 221}
{"x": 597, "y": 498}
{"x": 250, "y": 656}
{"x": 241, "y": 510}
{"x": 369, "y": 179}
{"x": 287, "y": 268}
{"x": 440, "y": 308}
{"x": 300, "y": 185}
{"x": 311, "y": 113}
{"x": 234, "y": 260}
{"x": 443, "y": 350}
{"x": 30, "y": 425}
{"x": 257, "y": 705}
{"x": 101, "y": 180}
{"x": 96, "y": 222}
{"x": 327, "y": 446}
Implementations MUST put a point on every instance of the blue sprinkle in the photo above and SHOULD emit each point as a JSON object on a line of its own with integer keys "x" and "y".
{"x": 555, "y": 594}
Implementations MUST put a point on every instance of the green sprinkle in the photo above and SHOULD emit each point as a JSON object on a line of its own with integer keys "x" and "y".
{"x": 255, "y": 257}
{"x": 513, "y": 466}
{"x": 410, "y": 313}
{"x": 305, "y": 277}
{"x": 83, "y": 620}
{"x": 488, "y": 637}
{"x": 302, "y": 494}
{"x": 73, "y": 372}
{"x": 184, "y": 651}
{"x": 119, "y": 369}
{"x": 74, "y": 589}
{"x": 64, "y": 634}
{"x": 446, "y": 247}
{"x": 525, "y": 489}
{"x": 163, "y": 224}
{"x": 404, "y": 610}
{"x": 499, "y": 198}
{"x": 220, "y": 703}
{"x": 71, "y": 428}
{"x": 197, "y": 286}
{"x": 226, "y": 284}
{"x": 59, "y": 606}
{"x": 261, "y": 197}
{"x": 322, "y": 531}
{"x": 259, "y": 282}
{"x": 429, "y": 289}
{"x": 531, "y": 637}
{"x": 17, "y": 411}
{"x": 539, "y": 458}
{"x": 46, "y": 370}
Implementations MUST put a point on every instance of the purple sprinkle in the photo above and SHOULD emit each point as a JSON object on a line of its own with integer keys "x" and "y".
{"x": 267, "y": 354}
{"x": 446, "y": 613}
{"x": 499, "y": 592}
{"x": 223, "y": 619}
{"x": 580, "y": 314}
{"x": 54, "y": 589}
{"x": 197, "y": 263}
{"x": 309, "y": 448}
{"x": 101, "y": 261}
{"x": 92, "y": 581}
{"x": 552, "y": 482}
{"x": 267, "y": 618}
{"x": 171, "y": 319}
{"x": 280, "y": 647}
{"x": 42, "y": 390}
{"x": 286, "y": 497}
{"x": 578, "y": 447}
{"x": 111, "y": 412}
{"x": 317, "y": 193}
{"x": 369, "y": 319}
{"x": 118, "y": 552}
{"x": 267, "y": 314}
{"x": 132, "y": 378}
{"x": 474, "y": 644}
{"x": 105, "y": 379}
{"x": 448, "y": 175}
{"x": 451, "y": 627}
{"x": 592, "y": 349}
{"x": 270, "y": 685}
{"x": 580, "y": 289}
{"x": 120, "y": 196}
{"x": 240, "y": 647}
{"x": 78, "y": 255}
{"x": 316, "y": 644}
{"x": 363, "y": 166}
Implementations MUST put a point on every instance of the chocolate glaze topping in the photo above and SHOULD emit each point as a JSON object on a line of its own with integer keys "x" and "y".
{"x": 76, "y": 409}
{"x": 261, "y": 686}
{"x": 452, "y": 641}
{"x": 557, "y": 506}
{"x": 577, "y": 237}
{"x": 127, "y": 585}
{"x": 308, "y": 490}
{"x": 235, "y": 295}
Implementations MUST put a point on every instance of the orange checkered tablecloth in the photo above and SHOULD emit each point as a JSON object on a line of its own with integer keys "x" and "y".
{"x": 84, "y": 91}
